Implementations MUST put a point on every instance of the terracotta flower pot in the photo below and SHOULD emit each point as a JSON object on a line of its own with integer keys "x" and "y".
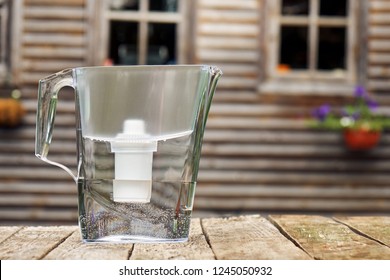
{"x": 361, "y": 139}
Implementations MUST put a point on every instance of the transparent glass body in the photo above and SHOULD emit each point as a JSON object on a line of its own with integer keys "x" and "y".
{"x": 139, "y": 136}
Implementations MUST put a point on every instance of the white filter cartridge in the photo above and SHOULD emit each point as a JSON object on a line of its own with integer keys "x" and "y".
{"x": 133, "y": 163}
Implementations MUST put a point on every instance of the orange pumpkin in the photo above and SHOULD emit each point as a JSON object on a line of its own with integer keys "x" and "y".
{"x": 11, "y": 112}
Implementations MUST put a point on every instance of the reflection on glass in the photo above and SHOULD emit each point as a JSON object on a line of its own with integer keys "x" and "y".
{"x": 124, "y": 5}
{"x": 162, "y": 47}
{"x": 123, "y": 43}
{"x": 295, "y": 7}
{"x": 331, "y": 49}
{"x": 163, "y": 5}
{"x": 293, "y": 48}
{"x": 333, "y": 7}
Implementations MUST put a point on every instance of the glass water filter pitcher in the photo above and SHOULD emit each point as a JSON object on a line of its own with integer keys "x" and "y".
{"x": 139, "y": 136}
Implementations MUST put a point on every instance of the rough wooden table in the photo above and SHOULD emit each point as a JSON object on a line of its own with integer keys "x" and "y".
{"x": 246, "y": 237}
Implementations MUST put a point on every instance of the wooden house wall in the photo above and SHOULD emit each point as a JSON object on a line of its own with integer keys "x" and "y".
{"x": 48, "y": 36}
{"x": 258, "y": 153}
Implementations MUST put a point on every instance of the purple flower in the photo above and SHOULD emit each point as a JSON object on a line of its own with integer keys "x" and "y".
{"x": 372, "y": 104}
{"x": 360, "y": 92}
{"x": 321, "y": 112}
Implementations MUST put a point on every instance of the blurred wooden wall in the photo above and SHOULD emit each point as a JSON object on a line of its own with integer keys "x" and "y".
{"x": 47, "y": 36}
{"x": 258, "y": 152}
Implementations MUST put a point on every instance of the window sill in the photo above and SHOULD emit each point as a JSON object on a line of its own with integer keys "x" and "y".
{"x": 306, "y": 88}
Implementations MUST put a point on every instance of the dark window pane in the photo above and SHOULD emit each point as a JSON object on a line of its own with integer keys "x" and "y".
{"x": 333, "y": 7}
{"x": 163, "y": 5}
{"x": 123, "y": 42}
{"x": 125, "y": 5}
{"x": 1, "y": 38}
{"x": 162, "y": 43}
{"x": 295, "y": 7}
{"x": 293, "y": 48}
{"x": 331, "y": 49}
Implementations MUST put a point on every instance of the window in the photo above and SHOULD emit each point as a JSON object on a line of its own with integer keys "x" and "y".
{"x": 312, "y": 40}
{"x": 144, "y": 32}
{"x": 3, "y": 39}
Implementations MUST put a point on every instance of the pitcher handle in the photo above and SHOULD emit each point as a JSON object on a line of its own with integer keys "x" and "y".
{"x": 47, "y": 104}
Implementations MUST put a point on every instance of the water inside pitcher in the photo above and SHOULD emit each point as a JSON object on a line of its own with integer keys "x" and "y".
{"x": 139, "y": 137}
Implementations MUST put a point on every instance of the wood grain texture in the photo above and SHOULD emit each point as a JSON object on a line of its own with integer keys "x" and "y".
{"x": 196, "y": 248}
{"x": 31, "y": 243}
{"x": 74, "y": 249}
{"x": 244, "y": 237}
{"x": 325, "y": 238}
{"x": 6, "y": 232}
{"x": 377, "y": 228}
{"x": 250, "y": 237}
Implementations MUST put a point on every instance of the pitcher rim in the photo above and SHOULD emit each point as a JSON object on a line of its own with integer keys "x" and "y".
{"x": 213, "y": 69}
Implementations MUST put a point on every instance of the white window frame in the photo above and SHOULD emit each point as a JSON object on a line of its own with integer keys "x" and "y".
{"x": 309, "y": 79}
{"x": 143, "y": 17}
{"x": 3, "y": 40}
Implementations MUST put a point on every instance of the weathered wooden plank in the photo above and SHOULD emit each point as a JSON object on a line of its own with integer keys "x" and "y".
{"x": 379, "y": 71}
{"x": 376, "y": 45}
{"x": 298, "y": 151}
{"x": 291, "y": 191}
{"x": 57, "y": 26}
{"x": 55, "y": 2}
{"x": 36, "y": 187}
{"x": 232, "y": 122}
{"x": 270, "y": 137}
{"x": 38, "y": 200}
{"x": 33, "y": 242}
{"x": 256, "y": 110}
{"x": 250, "y": 237}
{"x": 53, "y": 12}
{"x": 228, "y": 55}
{"x": 32, "y": 161}
{"x": 227, "y": 42}
{"x": 377, "y": 228}
{"x": 6, "y": 232}
{"x": 62, "y": 147}
{"x": 30, "y": 215}
{"x": 229, "y": 4}
{"x": 36, "y": 65}
{"x": 239, "y": 82}
{"x": 50, "y": 173}
{"x": 299, "y": 164}
{"x": 378, "y": 84}
{"x": 293, "y": 204}
{"x": 196, "y": 248}
{"x": 232, "y": 29}
{"x": 379, "y": 6}
{"x": 324, "y": 238}
{"x": 55, "y": 53}
{"x": 244, "y": 16}
{"x": 74, "y": 249}
{"x": 377, "y": 18}
{"x": 291, "y": 177}
{"x": 378, "y": 58}
{"x": 28, "y": 133}
{"x": 54, "y": 39}
{"x": 379, "y": 31}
